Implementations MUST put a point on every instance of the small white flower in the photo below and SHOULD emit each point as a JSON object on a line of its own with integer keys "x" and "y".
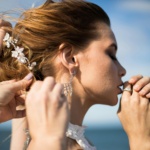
{"x": 18, "y": 53}
{"x": 32, "y": 65}
{"x": 7, "y": 37}
{"x": 23, "y": 60}
{"x": 19, "y": 50}
{"x": 8, "y": 40}
{"x": 14, "y": 54}
{"x": 8, "y": 44}
{"x": 15, "y": 41}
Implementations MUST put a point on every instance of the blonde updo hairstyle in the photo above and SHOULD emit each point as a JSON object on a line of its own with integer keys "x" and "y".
{"x": 42, "y": 30}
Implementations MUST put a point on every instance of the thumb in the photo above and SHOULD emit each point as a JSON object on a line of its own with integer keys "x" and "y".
{"x": 22, "y": 84}
{"x": 127, "y": 91}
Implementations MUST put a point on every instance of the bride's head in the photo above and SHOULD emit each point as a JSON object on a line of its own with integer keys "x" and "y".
{"x": 64, "y": 38}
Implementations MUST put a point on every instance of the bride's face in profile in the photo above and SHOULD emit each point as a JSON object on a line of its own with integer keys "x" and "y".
{"x": 101, "y": 72}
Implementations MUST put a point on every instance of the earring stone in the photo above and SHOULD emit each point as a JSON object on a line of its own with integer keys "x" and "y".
{"x": 68, "y": 89}
{"x": 68, "y": 86}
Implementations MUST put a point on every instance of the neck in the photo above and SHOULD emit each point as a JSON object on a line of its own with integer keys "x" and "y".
{"x": 78, "y": 109}
{"x": 79, "y": 103}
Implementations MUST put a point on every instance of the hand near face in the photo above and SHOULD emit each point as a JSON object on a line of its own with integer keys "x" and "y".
{"x": 11, "y": 96}
{"x": 47, "y": 114}
{"x": 141, "y": 85}
{"x": 134, "y": 114}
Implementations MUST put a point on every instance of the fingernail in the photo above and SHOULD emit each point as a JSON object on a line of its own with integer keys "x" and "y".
{"x": 29, "y": 76}
{"x": 148, "y": 95}
{"x": 136, "y": 87}
{"x": 131, "y": 80}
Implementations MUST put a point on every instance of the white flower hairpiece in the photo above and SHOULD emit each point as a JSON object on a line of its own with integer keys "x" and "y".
{"x": 18, "y": 51}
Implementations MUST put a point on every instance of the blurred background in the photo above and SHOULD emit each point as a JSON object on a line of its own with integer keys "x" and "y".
{"x": 130, "y": 21}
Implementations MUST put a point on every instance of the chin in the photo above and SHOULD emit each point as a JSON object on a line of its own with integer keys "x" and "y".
{"x": 113, "y": 101}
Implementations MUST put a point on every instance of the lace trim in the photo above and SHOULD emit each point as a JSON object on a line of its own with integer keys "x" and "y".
{"x": 74, "y": 132}
{"x": 77, "y": 133}
{"x": 28, "y": 139}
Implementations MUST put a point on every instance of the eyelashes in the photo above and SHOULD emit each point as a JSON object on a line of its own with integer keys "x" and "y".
{"x": 113, "y": 57}
{"x": 112, "y": 54}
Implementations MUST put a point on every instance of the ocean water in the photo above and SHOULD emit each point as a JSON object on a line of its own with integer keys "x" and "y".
{"x": 102, "y": 138}
{"x": 108, "y": 139}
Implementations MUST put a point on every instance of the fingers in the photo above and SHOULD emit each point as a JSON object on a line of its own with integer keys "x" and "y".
{"x": 141, "y": 84}
{"x": 22, "y": 84}
{"x": 36, "y": 87}
{"x": 48, "y": 84}
{"x": 49, "y": 92}
{"x": 125, "y": 96}
{"x": 45, "y": 108}
{"x": 58, "y": 97}
{"x": 58, "y": 89}
{"x": 127, "y": 87}
{"x": 144, "y": 103}
{"x": 145, "y": 90}
{"x": 7, "y": 82}
{"x": 148, "y": 95}
{"x": 134, "y": 79}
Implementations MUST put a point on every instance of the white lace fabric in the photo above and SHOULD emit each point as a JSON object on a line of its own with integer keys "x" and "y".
{"x": 77, "y": 133}
{"x": 74, "y": 132}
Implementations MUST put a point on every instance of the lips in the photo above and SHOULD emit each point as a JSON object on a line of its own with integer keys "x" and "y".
{"x": 120, "y": 88}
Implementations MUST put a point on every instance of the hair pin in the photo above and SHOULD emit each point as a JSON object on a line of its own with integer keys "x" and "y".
{"x": 17, "y": 52}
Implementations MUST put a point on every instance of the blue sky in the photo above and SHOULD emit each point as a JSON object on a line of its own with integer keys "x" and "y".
{"x": 130, "y": 21}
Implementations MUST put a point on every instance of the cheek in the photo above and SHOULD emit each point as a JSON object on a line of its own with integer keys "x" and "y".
{"x": 100, "y": 82}
{"x": 98, "y": 75}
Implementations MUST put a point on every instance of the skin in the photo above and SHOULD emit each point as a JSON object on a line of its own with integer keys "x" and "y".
{"x": 47, "y": 118}
{"x": 141, "y": 85}
{"x": 104, "y": 71}
{"x": 104, "y": 74}
{"x": 11, "y": 96}
{"x": 132, "y": 105}
{"x": 96, "y": 64}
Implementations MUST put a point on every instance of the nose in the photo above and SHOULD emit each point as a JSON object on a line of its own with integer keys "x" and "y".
{"x": 122, "y": 70}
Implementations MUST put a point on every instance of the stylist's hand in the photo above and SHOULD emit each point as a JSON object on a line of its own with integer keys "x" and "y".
{"x": 134, "y": 114}
{"x": 11, "y": 96}
{"x": 2, "y": 31}
{"x": 47, "y": 115}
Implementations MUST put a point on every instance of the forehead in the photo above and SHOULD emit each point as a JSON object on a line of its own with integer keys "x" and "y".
{"x": 105, "y": 40}
{"x": 106, "y": 34}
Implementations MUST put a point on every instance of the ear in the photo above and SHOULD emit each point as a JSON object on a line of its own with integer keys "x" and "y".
{"x": 68, "y": 58}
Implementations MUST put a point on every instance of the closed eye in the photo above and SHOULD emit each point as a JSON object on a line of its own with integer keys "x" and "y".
{"x": 113, "y": 57}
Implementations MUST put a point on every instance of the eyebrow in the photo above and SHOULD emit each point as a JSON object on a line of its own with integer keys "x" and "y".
{"x": 114, "y": 45}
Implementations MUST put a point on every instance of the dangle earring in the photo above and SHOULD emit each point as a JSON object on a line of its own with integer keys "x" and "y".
{"x": 68, "y": 86}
